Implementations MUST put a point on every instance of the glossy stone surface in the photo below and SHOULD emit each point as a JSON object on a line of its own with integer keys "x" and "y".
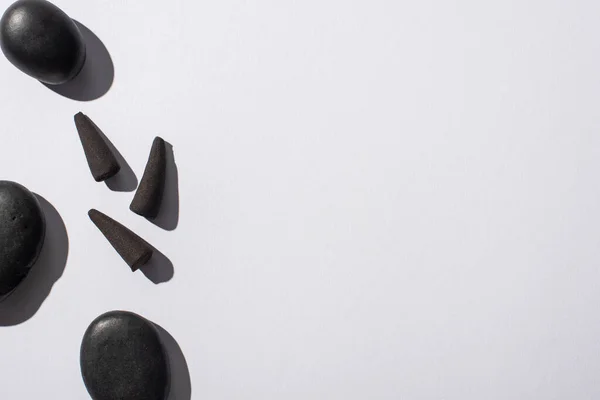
{"x": 22, "y": 232}
{"x": 42, "y": 41}
{"x": 122, "y": 357}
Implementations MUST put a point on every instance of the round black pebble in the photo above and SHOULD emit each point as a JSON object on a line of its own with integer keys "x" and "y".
{"x": 42, "y": 41}
{"x": 22, "y": 231}
{"x": 122, "y": 357}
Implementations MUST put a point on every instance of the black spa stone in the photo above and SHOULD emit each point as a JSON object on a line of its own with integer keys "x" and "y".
{"x": 42, "y": 41}
{"x": 122, "y": 357}
{"x": 22, "y": 232}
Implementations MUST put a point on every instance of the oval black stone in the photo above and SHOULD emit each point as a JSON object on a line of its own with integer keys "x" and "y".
{"x": 42, "y": 41}
{"x": 122, "y": 357}
{"x": 22, "y": 232}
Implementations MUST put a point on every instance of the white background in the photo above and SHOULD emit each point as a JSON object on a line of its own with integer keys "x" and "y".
{"x": 378, "y": 199}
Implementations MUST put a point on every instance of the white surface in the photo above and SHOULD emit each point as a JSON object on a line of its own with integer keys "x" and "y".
{"x": 379, "y": 199}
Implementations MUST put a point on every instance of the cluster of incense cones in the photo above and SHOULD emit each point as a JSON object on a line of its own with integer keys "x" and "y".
{"x": 146, "y": 202}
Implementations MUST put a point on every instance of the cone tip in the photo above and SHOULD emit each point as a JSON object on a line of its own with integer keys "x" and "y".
{"x": 93, "y": 213}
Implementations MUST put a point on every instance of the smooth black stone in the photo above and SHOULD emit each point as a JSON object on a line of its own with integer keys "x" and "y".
{"x": 42, "y": 41}
{"x": 132, "y": 248}
{"x": 22, "y": 232}
{"x": 122, "y": 357}
{"x": 101, "y": 160}
{"x": 149, "y": 195}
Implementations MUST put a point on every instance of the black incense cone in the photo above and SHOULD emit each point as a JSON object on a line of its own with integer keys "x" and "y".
{"x": 148, "y": 196}
{"x": 132, "y": 248}
{"x": 101, "y": 160}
